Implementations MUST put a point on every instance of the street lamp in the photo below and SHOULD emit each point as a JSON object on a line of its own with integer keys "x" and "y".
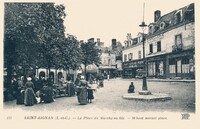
{"x": 144, "y": 84}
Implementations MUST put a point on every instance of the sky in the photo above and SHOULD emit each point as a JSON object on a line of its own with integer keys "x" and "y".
{"x": 108, "y": 19}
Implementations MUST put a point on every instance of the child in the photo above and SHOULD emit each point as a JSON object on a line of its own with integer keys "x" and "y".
{"x": 90, "y": 94}
{"x": 131, "y": 88}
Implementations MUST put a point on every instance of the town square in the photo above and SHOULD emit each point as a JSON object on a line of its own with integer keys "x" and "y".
{"x": 53, "y": 64}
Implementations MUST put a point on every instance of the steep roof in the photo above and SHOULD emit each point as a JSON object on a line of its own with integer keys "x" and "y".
{"x": 170, "y": 18}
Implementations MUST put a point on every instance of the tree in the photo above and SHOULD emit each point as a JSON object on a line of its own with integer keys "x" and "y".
{"x": 70, "y": 53}
{"x": 32, "y": 36}
{"x": 90, "y": 54}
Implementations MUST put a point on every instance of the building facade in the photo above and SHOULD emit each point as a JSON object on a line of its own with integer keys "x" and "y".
{"x": 170, "y": 44}
{"x": 132, "y": 56}
{"x": 111, "y": 61}
{"x": 169, "y": 47}
{"x": 108, "y": 64}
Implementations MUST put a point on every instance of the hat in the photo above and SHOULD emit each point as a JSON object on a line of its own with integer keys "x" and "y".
{"x": 29, "y": 79}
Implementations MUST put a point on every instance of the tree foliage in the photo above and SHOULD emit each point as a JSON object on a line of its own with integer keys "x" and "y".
{"x": 90, "y": 54}
{"x": 71, "y": 54}
{"x": 33, "y": 33}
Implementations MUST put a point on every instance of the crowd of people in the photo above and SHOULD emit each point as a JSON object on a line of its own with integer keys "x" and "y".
{"x": 34, "y": 90}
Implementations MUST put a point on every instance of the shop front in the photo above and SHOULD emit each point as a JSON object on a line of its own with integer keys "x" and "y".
{"x": 130, "y": 68}
{"x": 179, "y": 65}
{"x": 108, "y": 70}
{"x": 156, "y": 66}
{"x": 182, "y": 65}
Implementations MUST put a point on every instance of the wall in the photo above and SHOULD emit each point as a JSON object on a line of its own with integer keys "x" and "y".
{"x": 133, "y": 49}
{"x": 105, "y": 57}
{"x": 168, "y": 40}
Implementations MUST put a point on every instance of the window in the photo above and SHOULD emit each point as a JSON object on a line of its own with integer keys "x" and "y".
{"x": 158, "y": 46}
{"x": 162, "y": 25}
{"x": 150, "y": 48}
{"x": 125, "y": 57}
{"x": 151, "y": 68}
{"x": 185, "y": 65}
{"x": 172, "y": 66}
{"x": 160, "y": 68}
{"x": 178, "y": 17}
{"x": 109, "y": 62}
{"x": 130, "y": 56}
{"x": 151, "y": 29}
{"x": 139, "y": 55}
{"x": 178, "y": 39}
{"x": 178, "y": 66}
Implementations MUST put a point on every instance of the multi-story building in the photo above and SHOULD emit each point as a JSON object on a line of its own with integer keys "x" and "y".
{"x": 111, "y": 59}
{"x": 169, "y": 47}
{"x": 132, "y": 55}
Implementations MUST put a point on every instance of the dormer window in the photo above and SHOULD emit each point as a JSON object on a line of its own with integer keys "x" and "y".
{"x": 178, "y": 16}
{"x": 162, "y": 25}
{"x": 140, "y": 39}
{"x": 151, "y": 29}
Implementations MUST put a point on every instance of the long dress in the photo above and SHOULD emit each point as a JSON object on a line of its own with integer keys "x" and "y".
{"x": 82, "y": 95}
{"x": 70, "y": 89}
{"x": 48, "y": 94}
{"x": 20, "y": 93}
{"x": 29, "y": 96}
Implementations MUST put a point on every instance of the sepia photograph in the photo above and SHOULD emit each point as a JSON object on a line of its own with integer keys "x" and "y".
{"x": 99, "y": 61}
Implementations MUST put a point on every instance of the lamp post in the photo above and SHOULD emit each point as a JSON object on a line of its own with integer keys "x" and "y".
{"x": 143, "y": 26}
{"x": 144, "y": 84}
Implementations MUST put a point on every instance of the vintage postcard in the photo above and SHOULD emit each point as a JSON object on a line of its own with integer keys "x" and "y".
{"x": 99, "y": 64}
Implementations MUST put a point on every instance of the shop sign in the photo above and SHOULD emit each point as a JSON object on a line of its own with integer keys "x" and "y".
{"x": 133, "y": 64}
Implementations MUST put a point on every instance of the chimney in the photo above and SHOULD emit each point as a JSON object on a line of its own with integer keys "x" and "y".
{"x": 114, "y": 43}
{"x": 157, "y": 15}
{"x": 98, "y": 40}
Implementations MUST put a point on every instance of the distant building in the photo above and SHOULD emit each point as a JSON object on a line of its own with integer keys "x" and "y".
{"x": 111, "y": 61}
{"x": 132, "y": 56}
{"x": 108, "y": 63}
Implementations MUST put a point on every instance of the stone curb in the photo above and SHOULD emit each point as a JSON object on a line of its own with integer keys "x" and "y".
{"x": 153, "y": 97}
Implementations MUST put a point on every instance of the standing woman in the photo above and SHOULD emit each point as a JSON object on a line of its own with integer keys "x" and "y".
{"x": 70, "y": 87}
{"x": 29, "y": 96}
{"x": 82, "y": 93}
{"x": 48, "y": 94}
{"x": 20, "y": 91}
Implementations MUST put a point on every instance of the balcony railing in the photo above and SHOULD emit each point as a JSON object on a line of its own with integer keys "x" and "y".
{"x": 177, "y": 47}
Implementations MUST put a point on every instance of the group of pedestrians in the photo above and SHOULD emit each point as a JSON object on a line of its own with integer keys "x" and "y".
{"x": 28, "y": 92}
{"x": 35, "y": 90}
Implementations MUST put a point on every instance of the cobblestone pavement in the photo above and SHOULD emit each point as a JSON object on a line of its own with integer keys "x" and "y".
{"x": 109, "y": 98}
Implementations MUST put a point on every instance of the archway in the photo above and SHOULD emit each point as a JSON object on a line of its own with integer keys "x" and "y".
{"x": 41, "y": 74}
